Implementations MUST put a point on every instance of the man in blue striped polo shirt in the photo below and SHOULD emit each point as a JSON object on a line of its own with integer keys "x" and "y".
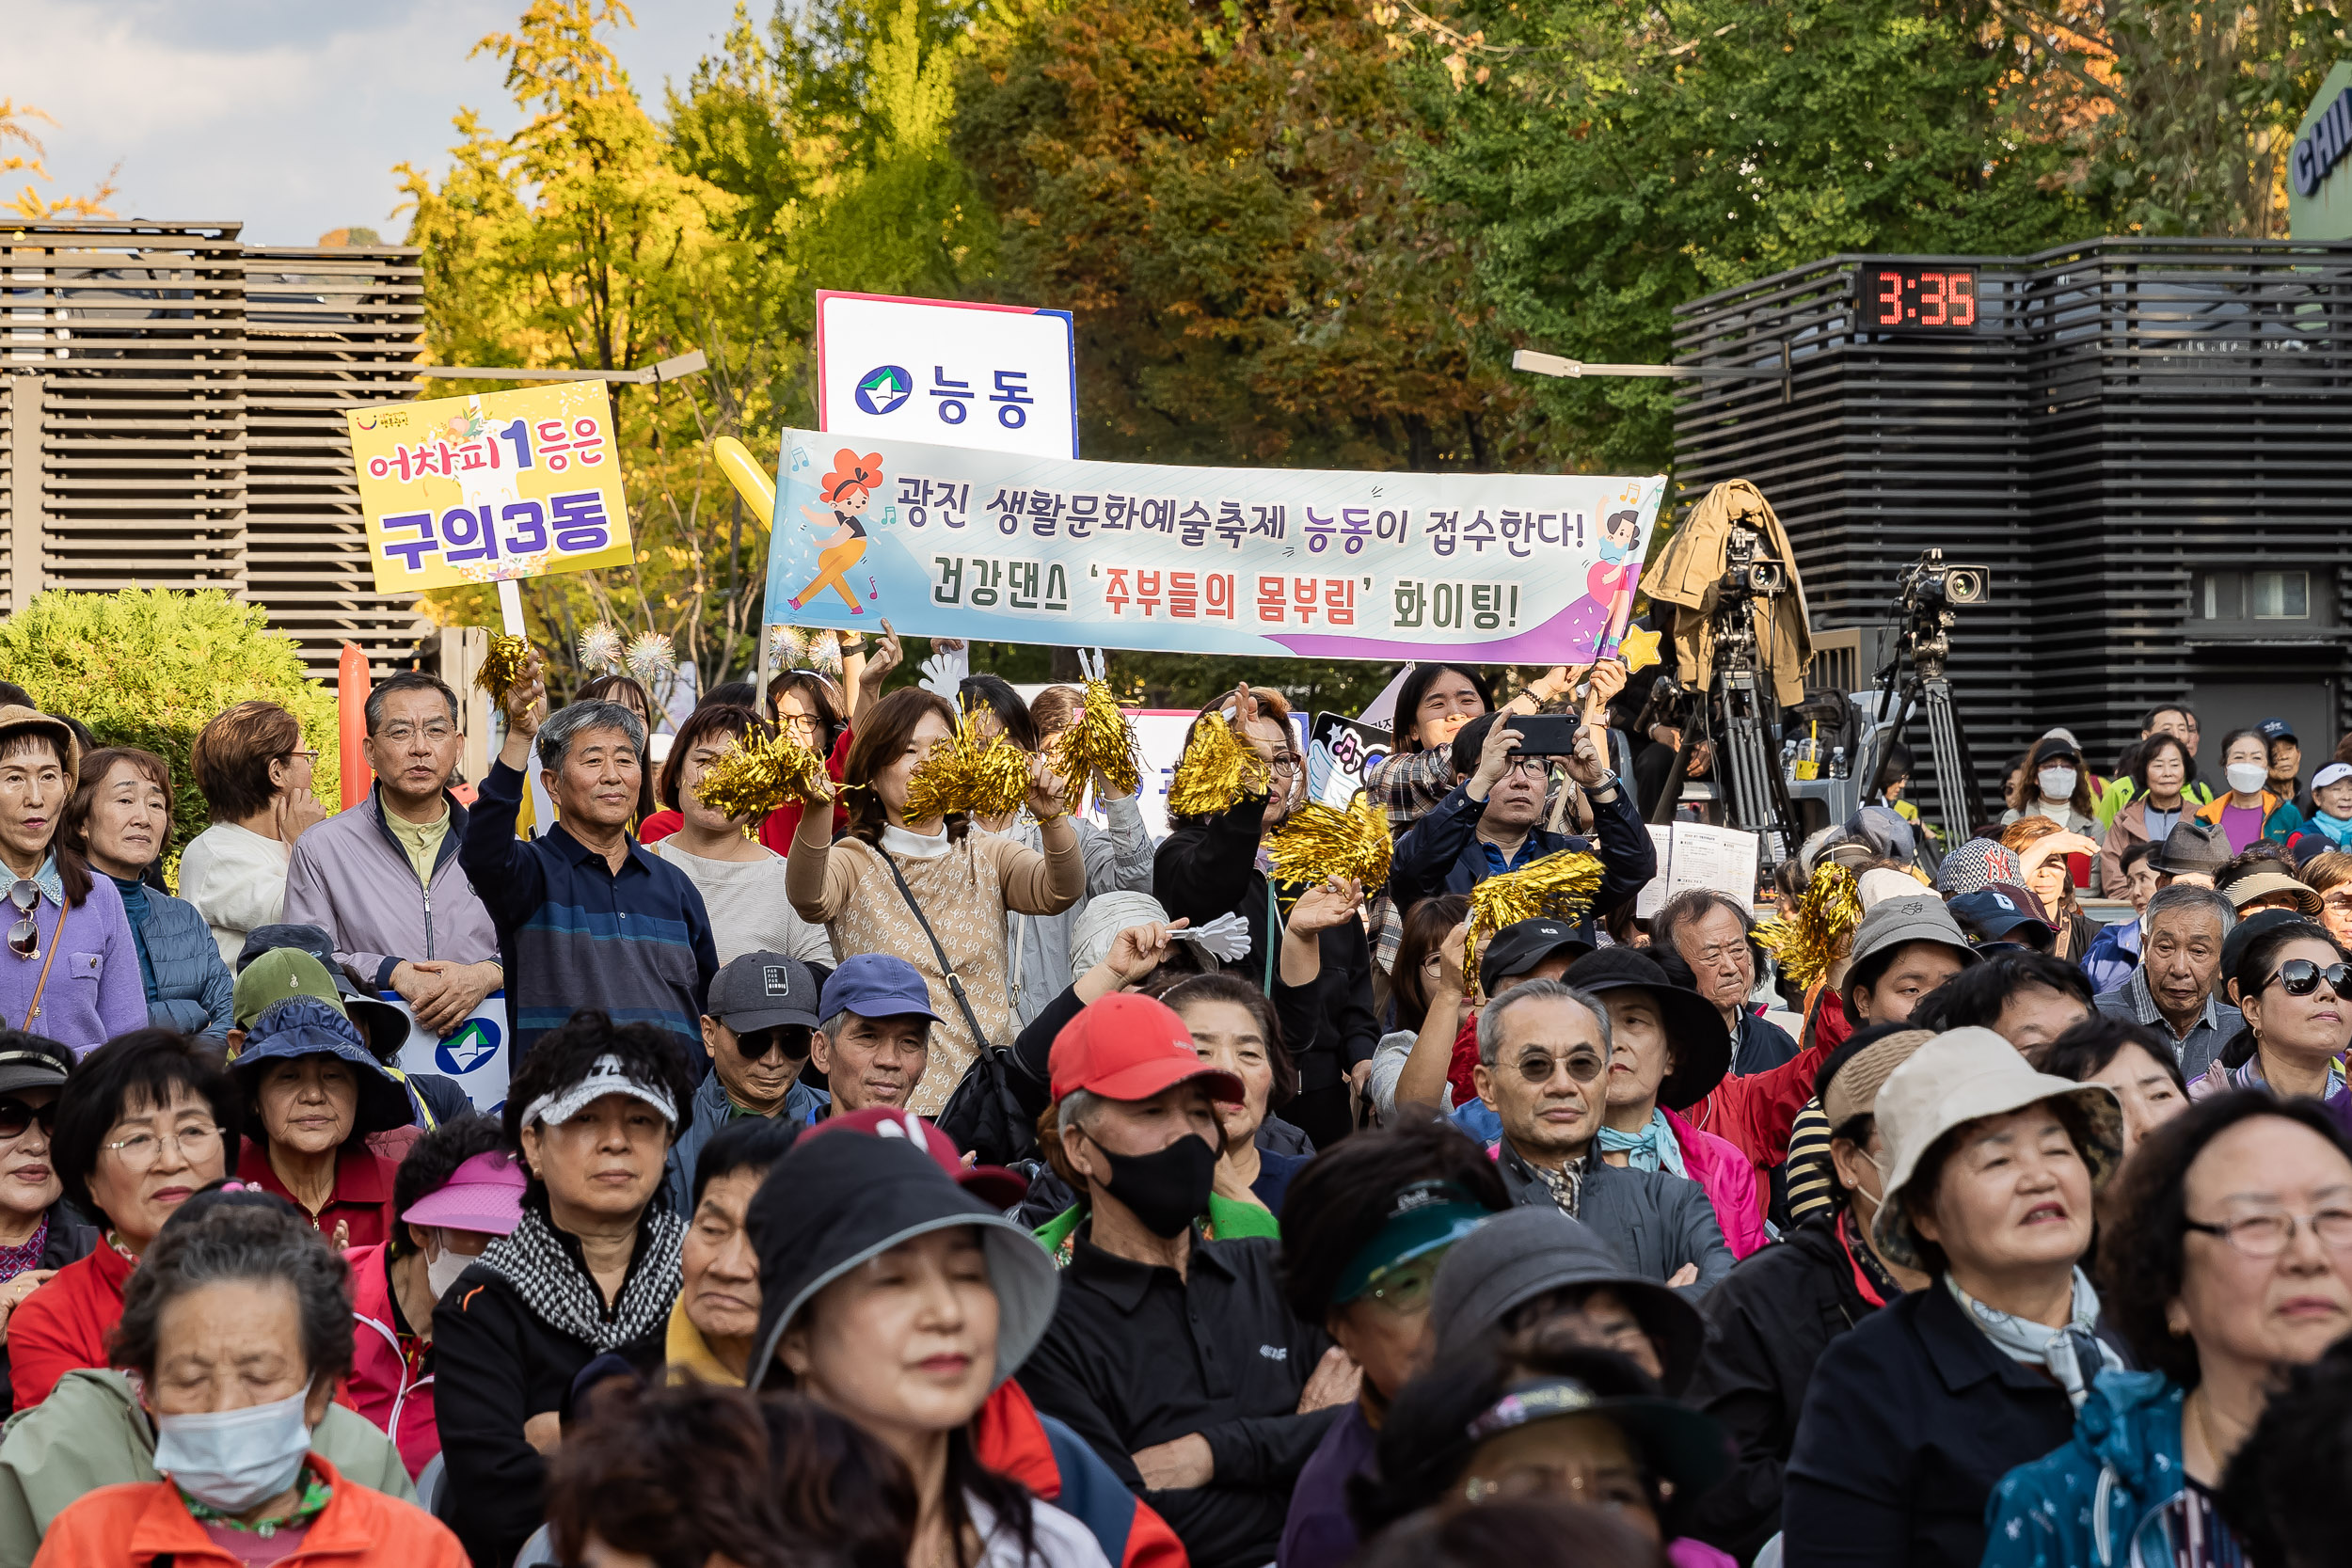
{"x": 585, "y": 917}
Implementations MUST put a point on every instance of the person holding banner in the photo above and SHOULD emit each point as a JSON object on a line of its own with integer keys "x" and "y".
{"x": 382, "y": 879}
{"x": 586, "y": 919}
{"x": 931, "y": 892}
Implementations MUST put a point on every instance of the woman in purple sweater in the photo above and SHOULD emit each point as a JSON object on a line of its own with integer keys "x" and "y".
{"x": 69, "y": 970}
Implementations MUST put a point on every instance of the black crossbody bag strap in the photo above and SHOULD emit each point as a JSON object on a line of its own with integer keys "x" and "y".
{"x": 955, "y": 981}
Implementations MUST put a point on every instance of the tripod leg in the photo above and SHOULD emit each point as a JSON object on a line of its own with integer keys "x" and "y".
{"x": 1962, "y": 802}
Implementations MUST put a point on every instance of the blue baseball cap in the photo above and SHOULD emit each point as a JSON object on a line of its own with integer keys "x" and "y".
{"x": 876, "y": 985}
{"x": 2275, "y": 729}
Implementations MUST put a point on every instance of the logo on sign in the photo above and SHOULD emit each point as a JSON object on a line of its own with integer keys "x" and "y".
{"x": 882, "y": 390}
{"x": 467, "y": 1049}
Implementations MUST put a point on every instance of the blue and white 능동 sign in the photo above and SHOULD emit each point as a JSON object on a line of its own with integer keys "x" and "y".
{"x": 1000, "y": 378}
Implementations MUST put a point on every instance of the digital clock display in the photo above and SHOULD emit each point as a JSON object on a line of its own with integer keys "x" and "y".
{"x": 1923, "y": 297}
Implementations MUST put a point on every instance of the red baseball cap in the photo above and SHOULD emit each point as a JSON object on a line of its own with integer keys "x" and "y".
{"x": 992, "y": 1184}
{"x": 1130, "y": 1047}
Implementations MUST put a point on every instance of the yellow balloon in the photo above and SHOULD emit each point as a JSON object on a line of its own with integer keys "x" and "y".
{"x": 750, "y": 480}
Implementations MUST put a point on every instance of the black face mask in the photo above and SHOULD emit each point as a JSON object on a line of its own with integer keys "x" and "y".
{"x": 1168, "y": 1190}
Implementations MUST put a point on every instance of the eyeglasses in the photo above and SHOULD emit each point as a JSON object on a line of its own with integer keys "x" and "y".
{"x": 799, "y": 723}
{"x": 1285, "y": 766}
{"x": 25, "y": 935}
{"x": 15, "y": 1116}
{"x": 1612, "y": 1492}
{"x": 140, "y": 1150}
{"x": 1533, "y": 767}
{"x": 310, "y": 756}
{"x": 401, "y": 735}
{"x": 2268, "y": 1235}
{"x": 1584, "y": 1065}
{"x": 2300, "y": 977}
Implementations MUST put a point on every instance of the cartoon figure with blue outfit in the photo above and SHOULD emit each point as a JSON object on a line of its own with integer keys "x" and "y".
{"x": 847, "y": 491}
{"x": 1596, "y": 621}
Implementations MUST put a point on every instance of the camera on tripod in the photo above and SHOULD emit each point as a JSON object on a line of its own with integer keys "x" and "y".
{"x": 1931, "y": 582}
{"x": 1746, "y": 576}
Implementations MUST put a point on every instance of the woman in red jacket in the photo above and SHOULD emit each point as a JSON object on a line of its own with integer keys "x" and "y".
{"x": 243, "y": 1283}
{"x": 143, "y": 1122}
{"x": 313, "y": 1093}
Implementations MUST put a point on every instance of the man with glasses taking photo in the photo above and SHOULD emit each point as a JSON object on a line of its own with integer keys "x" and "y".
{"x": 1543, "y": 1047}
{"x": 382, "y": 879}
{"x": 1491, "y": 822}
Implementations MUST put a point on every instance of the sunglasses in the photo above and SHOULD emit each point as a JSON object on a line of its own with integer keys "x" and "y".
{"x": 15, "y": 1116}
{"x": 25, "y": 935}
{"x": 2300, "y": 977}
{"x": 794, "y": 1037}
{"x": 1584, "y": 1065}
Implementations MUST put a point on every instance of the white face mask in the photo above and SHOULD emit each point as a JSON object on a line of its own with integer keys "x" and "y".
{"x": 233, "y": 1459}
{"x": 2247, "y": 777}
{"x": 442, "y": 1271}
{"x": 2057, "y": 784}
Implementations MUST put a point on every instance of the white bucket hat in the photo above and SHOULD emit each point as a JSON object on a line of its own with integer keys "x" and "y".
{"x": 1961, "y": 1076}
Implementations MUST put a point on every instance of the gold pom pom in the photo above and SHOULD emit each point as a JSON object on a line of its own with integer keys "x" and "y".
{"x": 1217, "y": 769}
{"x": 1321, "y": 843}
{"x": 502, "y": 666}
{"x": 1818, "y": 935}
{"x": 964, "y": 773}
{"x": 1561, "y": 886}
{"x": 754, "y": 777}
{"x": 1102, "y": 742}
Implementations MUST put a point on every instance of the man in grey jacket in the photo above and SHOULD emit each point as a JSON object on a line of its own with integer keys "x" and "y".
{"x": 1543, "y": 1062}
{"x": 382, "y": 879}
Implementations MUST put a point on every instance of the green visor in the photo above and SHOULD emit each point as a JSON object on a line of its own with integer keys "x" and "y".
{"x": 1415, "y": 1233}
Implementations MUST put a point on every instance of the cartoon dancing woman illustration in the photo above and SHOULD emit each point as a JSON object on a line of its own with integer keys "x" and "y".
{"x": 1597, "y": 620}
{"x": 848, "y": 490}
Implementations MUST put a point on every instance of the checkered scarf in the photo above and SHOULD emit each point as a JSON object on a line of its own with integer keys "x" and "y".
{"x": 545, "y": 1268}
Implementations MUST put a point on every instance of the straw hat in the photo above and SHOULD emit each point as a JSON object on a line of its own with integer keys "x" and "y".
{"x": 1965, "y": 1075}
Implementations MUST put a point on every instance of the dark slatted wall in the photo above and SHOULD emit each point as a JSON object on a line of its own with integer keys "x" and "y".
{"x": 2128, "y": 412}
{"x": 170, "y": 418}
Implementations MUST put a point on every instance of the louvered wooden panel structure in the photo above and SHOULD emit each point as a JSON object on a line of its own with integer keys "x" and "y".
{"x": 2129, "y": 418}
{"x": 172, "y": 404}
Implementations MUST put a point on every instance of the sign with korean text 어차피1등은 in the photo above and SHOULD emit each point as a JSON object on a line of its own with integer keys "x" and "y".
{"x": 491, "y": 486}
{"x": 1003, "y": 377}
{"x": 997, "y": 547}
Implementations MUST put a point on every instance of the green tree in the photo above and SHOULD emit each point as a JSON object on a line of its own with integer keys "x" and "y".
{"x": 1221, "y": 197}
{"x": 1613, "y": 162}
{"x": 578, "y": 243}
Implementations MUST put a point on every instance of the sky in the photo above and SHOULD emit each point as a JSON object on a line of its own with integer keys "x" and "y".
{"x": 288, "y": 115}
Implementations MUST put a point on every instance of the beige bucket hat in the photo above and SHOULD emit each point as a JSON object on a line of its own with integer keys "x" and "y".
{"x": 1965, "y": 1075}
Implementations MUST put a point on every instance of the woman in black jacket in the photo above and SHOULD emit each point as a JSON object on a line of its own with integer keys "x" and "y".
{"x": 39, "y": 1234}
{"x": 1772, "y": 1316}
{"x": 1913, "y": 1417}
{"x": 591, "y": 1270}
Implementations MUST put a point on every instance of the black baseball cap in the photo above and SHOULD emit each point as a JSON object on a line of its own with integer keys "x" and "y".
{"x": 763, "y": 990}
{"x": 2004, "y": 912}
{"x": 1520, "y": 947}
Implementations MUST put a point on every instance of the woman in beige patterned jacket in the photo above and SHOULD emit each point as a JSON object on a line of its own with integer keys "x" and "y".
{"x": 962, "y": 881}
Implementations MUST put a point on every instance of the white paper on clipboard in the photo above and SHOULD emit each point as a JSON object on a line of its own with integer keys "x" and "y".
{"x": 1693, "y": 854}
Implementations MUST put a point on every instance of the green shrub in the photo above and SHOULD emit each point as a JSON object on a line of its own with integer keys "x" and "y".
{"x": 148, "y": 668}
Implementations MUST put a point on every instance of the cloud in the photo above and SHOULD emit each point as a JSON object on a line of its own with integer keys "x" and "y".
{"x": 285, "y": 116}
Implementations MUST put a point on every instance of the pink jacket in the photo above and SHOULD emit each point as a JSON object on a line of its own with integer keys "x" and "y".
{"x": 1717, "y": 1164}
{"x": 383, "y": 1387}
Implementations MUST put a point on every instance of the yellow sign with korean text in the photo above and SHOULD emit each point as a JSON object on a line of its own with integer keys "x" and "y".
{"x": 491, "y": 486}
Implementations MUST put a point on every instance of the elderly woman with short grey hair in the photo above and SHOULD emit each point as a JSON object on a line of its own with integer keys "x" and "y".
{"x": 559, "y": 900}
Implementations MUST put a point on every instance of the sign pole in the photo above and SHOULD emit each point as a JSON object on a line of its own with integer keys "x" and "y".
{"x": 511, "y": 606}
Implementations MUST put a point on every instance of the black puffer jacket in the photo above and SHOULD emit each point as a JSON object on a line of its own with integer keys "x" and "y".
{"x": 1767, "y": 1324}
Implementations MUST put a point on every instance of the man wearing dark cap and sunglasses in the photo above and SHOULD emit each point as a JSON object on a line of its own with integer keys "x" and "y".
{"x": 757, "y": 1029}
{"x": 1543, "y": 1056}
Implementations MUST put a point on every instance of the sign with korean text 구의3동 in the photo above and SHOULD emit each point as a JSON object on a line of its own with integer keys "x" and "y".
{"x": 1001, "y": 377}
{"x": 950, "y": 542}
{"x": 491, "y": 486}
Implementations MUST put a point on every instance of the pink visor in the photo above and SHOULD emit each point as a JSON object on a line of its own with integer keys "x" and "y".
{"x": 485, "y": 1194}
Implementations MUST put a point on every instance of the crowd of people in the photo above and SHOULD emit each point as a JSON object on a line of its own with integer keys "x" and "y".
{"x": 877, "y": 1187}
